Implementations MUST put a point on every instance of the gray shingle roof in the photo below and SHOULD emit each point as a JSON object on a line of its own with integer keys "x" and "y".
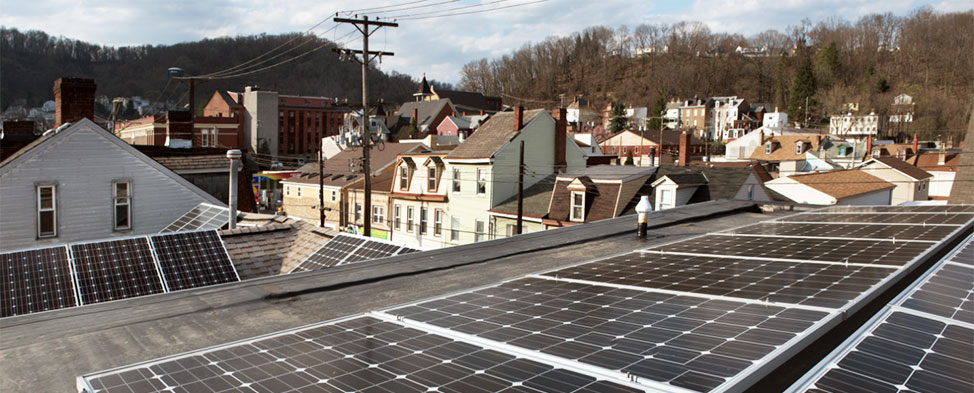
{"x": 492, "y": 135}
{"x": 269, "y": 250}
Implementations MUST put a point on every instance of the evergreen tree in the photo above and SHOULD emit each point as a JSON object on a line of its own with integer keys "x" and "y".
{"x": 629, "y": 159}
{"x": 655, "y": 113}
{"x": 802, "y": 91}
{"x": 617, "y": 118}
{"x": 828, "y": 64}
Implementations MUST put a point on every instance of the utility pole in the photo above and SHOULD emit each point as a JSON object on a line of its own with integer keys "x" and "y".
{"x": 321, "y": 186}
{"x": 365, "y": 26}
{"x": 520, "y": 190}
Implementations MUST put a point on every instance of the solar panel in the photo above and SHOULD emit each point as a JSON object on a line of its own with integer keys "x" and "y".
{"x": 193, "y": 259}
{"x": 887, "y": 218}
{"x": 361, "y": 354}
{"x": 844, "y": 251}
{"x": 115, "y": 269}
{"x": 847, "y": 230}
{"x": 344, "y": 249}
{"x": 900, "y": 209}
{"x": 825, "y": 285}
{"x": 682, "y": 341}
{"x": 35, "y": 280}
{"x": 203, "y": 216}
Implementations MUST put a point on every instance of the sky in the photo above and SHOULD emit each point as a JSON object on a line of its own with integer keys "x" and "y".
{"x": 437, "y": 47}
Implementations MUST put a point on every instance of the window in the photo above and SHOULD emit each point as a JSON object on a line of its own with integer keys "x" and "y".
{"x": 577, "y": 213}
{"x": 403, "y": 177}
{"x": 358, "y": 212}
{"x": 798, "y": 147}
{"x": 437, "y": 222}
{"x": 456, "y": 180}
{"x": 510, "y": 230}
{"x": 287, "y": 190}
{"x": 665, "y": 199}
{"x": 479, "y": 235}
{"x": 378, "y": 214}
{"x": 299, "y": 191}
{"x": 454, "y": 228}
{"x": 397, "y": 214}
{"x": 47, "y": 211}
{"x": 481, "y": 181}
{"x": 334, "y": 196}
{"x": 122, "y": 197}
{"x": 431, "y": 181}
{"x": 422, "y": 220}
{"x": 409, "y": 219}
{"x": 750, "y": 192}
{"x": 767, "y": 148}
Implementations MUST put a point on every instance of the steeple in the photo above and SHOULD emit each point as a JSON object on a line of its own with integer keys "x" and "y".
{"x": 424, "y": 90}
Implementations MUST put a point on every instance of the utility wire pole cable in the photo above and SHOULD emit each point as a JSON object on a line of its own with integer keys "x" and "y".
{"x": 364, "y": 25}
{"x": 520, "y": 190}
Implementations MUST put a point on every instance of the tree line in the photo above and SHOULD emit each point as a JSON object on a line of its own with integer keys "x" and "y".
{"x": 925, "y": 54}
{"x": 33, "y": 60}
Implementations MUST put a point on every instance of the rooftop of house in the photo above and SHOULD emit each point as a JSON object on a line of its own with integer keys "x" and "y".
{"x": 722, "y": 182}
{"x": 670, "y": 137}
{"x": 272, "y": 249}
{"x": 492, "y": 135}
{"x": 609, "y": 172}
{"x": 339, "y": 169}
{"x": 468, "y": 100}
{"x": 536, "y": 199}
{"x": 467, "y": 122}
{"x": 784, "y": 147}
{"x": 606, "y": 195}
{"x": 842, "y": 184}
{"x": 903, "y": 167}
{"x": 426, "y": 110}
{"x": 930, "y": 160}
{"x": 71, "y": 342}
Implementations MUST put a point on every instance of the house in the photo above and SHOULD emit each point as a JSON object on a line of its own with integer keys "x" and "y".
{"x": 208, "y": 169}
{"x": 338, "y": 175}
{"x": 483, "y": 170}
{"x": 674, "y": 186}
{"x": 671, "y": 115}
{"x": 534, "y": 208}
{"x": 698, "y": 115}
{"x": 591, "y": 149}
{"x": 845, "y": 154}
{"x": 648, "y": 143}
{"x": 740, "y": 149}
{"x": 460, "y": 126}
{"x": 424, "y": 116}
{"x": 418, "y": 195}
{"x": 177, "y": 129}
{"x": 901, "y": 115}
{"x": 912, "y": 183}
{"x": 580, "y": 116}
{"x": 843, "y": 187}
{"x": 273, "y": 248}
{"x": 850, "y": 124}
{"x": 596, "y": 193}
{"x": 789, "y": 153}
{"x": 775, "y": 120}
{"x": 80, "y": 182}
{"x": 942, "y": 165}
{"x": 14, "y": 136}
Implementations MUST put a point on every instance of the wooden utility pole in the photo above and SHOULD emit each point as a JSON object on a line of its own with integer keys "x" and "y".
{"x": 321, "y": 185}
{"x": 520, "y": 190}
{"x": 365, "y": 26}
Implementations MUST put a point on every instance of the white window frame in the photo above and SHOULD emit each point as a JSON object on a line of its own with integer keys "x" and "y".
{"x": 481, "y": 181}
{"x": 409, "y": 218}
{"x": 403, "y": 177}
{"x": 456, "y": 180}
{"x": 578, "y": 216}
{"x": 479, "y": 228}
{"x": 431, "y": 181}
{"x": 397, "y": 220}
{"x": 52, "y": 209}
{"x": 423, "y": 220}
{"x": 119, "y": 201}
{"x": 378, "y": 214}
{"x": 799, "y": 147}
{"x": 454, "y": 228}
{"x": 287, "y": 190}
{"x": 358, "y": 212}
{"x": 666, "y": 199}
{"x": 768, "y": 147}
{"x": 299, "y": 191}
{"x": 334, "y": 196}
{"x": 438, "y": 222}
{"x": 510, "y": 230}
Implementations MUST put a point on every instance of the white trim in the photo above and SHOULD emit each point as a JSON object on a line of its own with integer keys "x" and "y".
{"x": 469, "y": 160}
{"x": 514, "y": 216}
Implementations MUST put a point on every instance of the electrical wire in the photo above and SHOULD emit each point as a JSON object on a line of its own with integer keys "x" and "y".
{"x": 473, "y": 12}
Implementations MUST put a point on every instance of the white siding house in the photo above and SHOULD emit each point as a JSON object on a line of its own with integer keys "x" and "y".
{"x": 84, "y": 183}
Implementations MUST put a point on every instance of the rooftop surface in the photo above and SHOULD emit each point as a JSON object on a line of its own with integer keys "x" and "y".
{"x": 73, "y": 342}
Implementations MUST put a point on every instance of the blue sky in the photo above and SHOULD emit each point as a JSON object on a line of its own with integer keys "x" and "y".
{"x": 438, "y": 47}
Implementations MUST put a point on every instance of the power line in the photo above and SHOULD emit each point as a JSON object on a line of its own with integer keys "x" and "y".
{"x": 470, "y": 12}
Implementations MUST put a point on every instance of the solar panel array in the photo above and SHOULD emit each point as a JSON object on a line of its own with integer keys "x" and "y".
{"x": 344, "y": 249}
{"x": 923, "y": 341}
{"x": 100, "y": 271}
{"x": 714, "y": 313}
{"x": 203, "y": 216}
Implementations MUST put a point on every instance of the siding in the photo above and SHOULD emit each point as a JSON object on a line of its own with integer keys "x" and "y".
{"x": 84, "y": 163}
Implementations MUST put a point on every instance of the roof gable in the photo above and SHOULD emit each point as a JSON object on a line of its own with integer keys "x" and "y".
{"x": 842, "y": 184}
{"x": 493, "y": 135}
{"x": 900, "y": 166}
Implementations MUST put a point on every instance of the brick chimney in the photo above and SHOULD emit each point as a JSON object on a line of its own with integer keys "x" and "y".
{"x": 561, "y": 130}
{"x": 684, "y": 156}
{"x": 916, "y": 144}
{"x": 518, "y": 118}
{"x": 74, "y": 99}
{"x": 416, "y": 117}
{"x": 869, "y": 147}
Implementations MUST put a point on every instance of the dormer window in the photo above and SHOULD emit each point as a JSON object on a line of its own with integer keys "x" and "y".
{"x": 768, "y": 147}
{"x": 799, "y": 147}
{"x": 577, "y": 213}
{"x": 403, "y": 177}
{"x": 431, "y": 179}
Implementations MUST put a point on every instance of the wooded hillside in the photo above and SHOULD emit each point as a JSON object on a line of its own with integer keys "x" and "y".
{"x": 927, "y": 55}
{"x": 32, "y": 60}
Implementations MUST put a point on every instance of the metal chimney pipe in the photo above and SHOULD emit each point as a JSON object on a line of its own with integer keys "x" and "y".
{"x": 234, "y": 156}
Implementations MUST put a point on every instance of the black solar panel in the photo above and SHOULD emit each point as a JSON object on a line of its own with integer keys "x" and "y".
{"x": 843, "y": 230}
{"x": 684, "y": 341}
{"x": 363, "y": 354}
{"x": 948, "y": 293}
{"x": 372, "y": 250}
{"x": 193, "y": 259}
{"x": 801, "y": 249}
{"x": 344, "y": 249}
{"x": 35, "y": 280}
{"x": 888, "y": 218}
{"x": 904, "y": 352}
{"x": 203, "y": 216}
{"x": 900, "y": 209}
{"x": 810, "y": 284}
{"x": 116, "y": 269}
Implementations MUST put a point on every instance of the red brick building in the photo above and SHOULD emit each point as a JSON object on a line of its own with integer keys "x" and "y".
{"x": 176, "y": 129}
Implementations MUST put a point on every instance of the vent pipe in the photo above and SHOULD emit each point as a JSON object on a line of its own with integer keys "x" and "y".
{"x": 234, "y": 156}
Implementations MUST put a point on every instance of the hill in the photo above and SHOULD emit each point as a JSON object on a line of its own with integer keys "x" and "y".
{"x": 32, "y": 60}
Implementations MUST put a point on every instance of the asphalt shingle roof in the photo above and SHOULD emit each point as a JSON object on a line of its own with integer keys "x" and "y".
{"x": 492, "y": 135}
